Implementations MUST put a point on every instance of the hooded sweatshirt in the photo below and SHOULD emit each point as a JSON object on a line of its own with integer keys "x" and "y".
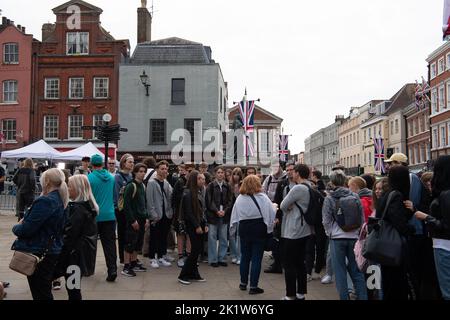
{"x": 366, "y": 200}
{"x": 332, "y": 229}
{"x": 102, "y": 184}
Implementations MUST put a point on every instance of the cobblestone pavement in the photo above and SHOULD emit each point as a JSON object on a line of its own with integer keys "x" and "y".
{"x": 160, "y": 284}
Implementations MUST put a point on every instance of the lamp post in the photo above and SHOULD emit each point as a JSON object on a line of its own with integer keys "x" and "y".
{"x": 145, "y": 82}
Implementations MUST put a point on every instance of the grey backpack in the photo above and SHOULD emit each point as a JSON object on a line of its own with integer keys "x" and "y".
{"x": 348, "y": 213}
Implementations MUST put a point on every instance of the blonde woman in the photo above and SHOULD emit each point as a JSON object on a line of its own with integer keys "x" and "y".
{"x": 80, "y": 234}
{"x": 25, "y": 180}
{"x": 40, "y": 232}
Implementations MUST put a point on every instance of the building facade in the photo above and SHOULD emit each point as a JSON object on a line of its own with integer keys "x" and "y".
{"x": 77, "y": 79}
{"x": 16, "y": 69}
{"x": 439, "y": 81}
{"x": 186, "y": 91}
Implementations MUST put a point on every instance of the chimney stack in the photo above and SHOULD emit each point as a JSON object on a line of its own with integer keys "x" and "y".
{"x": 19, "y": 27}
{"x": 47, "y": 30}
{"x": 23, "y": 29}
{"x": 144, "y": 27}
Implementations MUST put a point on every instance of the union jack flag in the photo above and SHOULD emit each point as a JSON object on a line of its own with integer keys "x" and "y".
{"x": 446, "y": 20}
{"x": 422, "y": 91}
{"x": 379, "y": 154}
{"x": 283, "y": 149}
{"x": 247, "y": 114}
{"x": 418, "y": 95}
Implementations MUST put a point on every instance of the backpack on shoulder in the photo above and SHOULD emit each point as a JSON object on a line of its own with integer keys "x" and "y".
{"x": 348, "y": 213}
{"x": 313, "y": 215}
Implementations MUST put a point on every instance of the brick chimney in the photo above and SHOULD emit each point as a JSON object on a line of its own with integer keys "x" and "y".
{"x": 144, "y": 25}
{"x": 47, "y": 30}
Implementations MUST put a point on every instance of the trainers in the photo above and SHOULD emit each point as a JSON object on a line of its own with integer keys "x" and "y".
{"x": 184, "y": 281}
{"x": 139, "y": 268}
{"x": 234, "y": 261}
{"x": 308, "y": 278}
{"x": 255, "y": 291}
{"x": 327, "y": 279}
{"x": 223, "y": 264}
{"x": 288, "y": 299}
{"x": 56, "y": 285}
{"x": 273, "y": 270}
{"x": 300, "y": 296}
{"x": 238, "y": 262}
{"x": 128, "y": 272}
{"x": 315, "y": 276}
{"x": 164, "y": 262}
{"x": 180, "y": 263}
{"x": 198, "y": 279}
{"x": 243, "y": 287}
{"x": 154, "y": 264}
{"x": 214, "y": 265}
{"x": 168, "y": 258}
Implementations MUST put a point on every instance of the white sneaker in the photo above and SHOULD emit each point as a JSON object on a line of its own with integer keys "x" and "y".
{"x": 234, "y": 260}
{"x": 327, "y": 279}
{"x": 164, "y": 263}
{"x": 238, "y": 262}
{"x": 315, "y": 276}
{"x": 168, "y": 258}
{"x": 308, "y": 278}
{"x": 154, "y": 264}
{"x": 180, "y": 263}
{"x": 288, "y": 298}
{"x": 300, "y": 296}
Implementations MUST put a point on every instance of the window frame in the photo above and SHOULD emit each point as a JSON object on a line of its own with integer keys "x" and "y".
{"x": 173, "y": 92}
{"x": 151, "y": 142}
{"x": 442, "y": 99}
{"x": 195, "y": 120}
{"x": 16, "y": 92}
{"x": 46, "y": 88}
{"x": 434, "y": 101}
{"x": 6, "y": 133}
{"x": 5, "y": 53}
{"x": 70, "y": 88}
{"x": 45, "y": 127}
{"x": 94, "y": 88}
{"x": 433, "y": 71}
{"x": 441, "y": 66}
{"x": 69, "y": 127}
{"x": 78, "y": 45}
{"x": 95, "y": 122}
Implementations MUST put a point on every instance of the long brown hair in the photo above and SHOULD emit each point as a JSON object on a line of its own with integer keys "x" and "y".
{"x": 192, "y": 186}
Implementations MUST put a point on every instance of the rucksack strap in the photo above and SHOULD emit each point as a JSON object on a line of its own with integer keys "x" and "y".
{"x": 389, "y": 199}
{"x": 302, "y": 213}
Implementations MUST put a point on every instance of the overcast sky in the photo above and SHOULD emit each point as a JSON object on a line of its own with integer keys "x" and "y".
{"x": 306, "y": 60}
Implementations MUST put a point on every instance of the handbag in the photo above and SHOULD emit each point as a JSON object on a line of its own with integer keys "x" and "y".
{"x": 362, "y": 262}
{"x": 384, "y": 245}
{"x": 26, "y": 263}
{"x": 269, "y": 236}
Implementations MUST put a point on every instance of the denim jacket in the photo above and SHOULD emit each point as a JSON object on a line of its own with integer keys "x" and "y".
{"x": 45, "y": 219}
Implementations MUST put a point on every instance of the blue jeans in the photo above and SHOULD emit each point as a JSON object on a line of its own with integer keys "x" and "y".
{"x": 217, "y": 232}
{"x": 442, "y": 260}
{"x": 252, "y": 250}
{"x": 235, "y": 246}
{"x": 341, "y": 249}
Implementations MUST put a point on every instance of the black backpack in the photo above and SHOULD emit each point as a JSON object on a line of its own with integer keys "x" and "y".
{"x": 313, "y": 215}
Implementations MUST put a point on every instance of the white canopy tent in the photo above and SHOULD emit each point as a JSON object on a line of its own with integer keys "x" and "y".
{"x": 37, "y": 150}
{"x": 87, "y": 150}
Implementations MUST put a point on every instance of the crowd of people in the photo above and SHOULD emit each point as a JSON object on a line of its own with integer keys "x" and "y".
{"x": 313, "y": 229}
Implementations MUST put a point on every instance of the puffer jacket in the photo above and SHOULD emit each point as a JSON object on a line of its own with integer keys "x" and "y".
{"x": 366, "y": 200}
{"x": 45, "y": 220}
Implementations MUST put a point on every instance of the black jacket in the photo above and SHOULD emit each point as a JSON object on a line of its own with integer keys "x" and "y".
{"x": 439, "y": 221}
{"x": 80, "y": 239}
{"x": 396, "y": 213}
{"x": 177, "y": 195}
{"x": 214, "y": 198}
{"x": 193, "y": 219}
{"x": 25, "y": 180}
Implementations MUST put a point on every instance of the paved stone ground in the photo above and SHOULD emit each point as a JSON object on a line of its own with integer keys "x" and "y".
{"x": 160, "y": 284}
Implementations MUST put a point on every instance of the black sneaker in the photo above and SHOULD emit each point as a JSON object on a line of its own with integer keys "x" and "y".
{"x": 214, "y": 265}
{"x": 184, "y": 281}
{"x": 56, "y": 285}
{"x": 128, "y": 272}
{"x": 273, "y": 270}
{"x": 243, "y": 287}
{"x": 139, "y": 268}
{"x": 223, "y": 264}
{"x": 256, "y": 291}
{"x": 111, "y": 277}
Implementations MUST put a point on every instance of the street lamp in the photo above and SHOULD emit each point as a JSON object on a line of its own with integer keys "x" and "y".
{"x": 144, "y": 80}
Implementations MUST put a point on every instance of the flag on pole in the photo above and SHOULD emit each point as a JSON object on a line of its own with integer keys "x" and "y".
{"x": 283, "y": 147}
{"x": 418, "y": 95}
{"x": 446, "y": 20}
{"x": 379, "y": 154}
{"x": 247, "y": 113}
{"x": 425, "y": 91}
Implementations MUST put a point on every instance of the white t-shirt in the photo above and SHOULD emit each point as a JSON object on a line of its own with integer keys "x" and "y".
{"x": 441, "y": 244}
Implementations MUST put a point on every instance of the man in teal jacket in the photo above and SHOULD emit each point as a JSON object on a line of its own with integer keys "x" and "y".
{"x": 102, "y": 184}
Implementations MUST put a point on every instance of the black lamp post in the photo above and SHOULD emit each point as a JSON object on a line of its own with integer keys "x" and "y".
{"x": 145, "y": 82}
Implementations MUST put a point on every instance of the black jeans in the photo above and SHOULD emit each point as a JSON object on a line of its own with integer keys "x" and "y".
{"x": 23, "y": 201}
{"x": 121, "y": 231}
{"x": 74, "y": 294}
{"x": 158, "y": 238}
{"x": 316, "y": 250}
{"x": 107, "y": 232}
{"x": 41, "y": 281}
{"x": 190, "y": 269}
{"x": 252, "y": 251}
{"x": 394, "y": 283}
{"x": 293, "y": 257}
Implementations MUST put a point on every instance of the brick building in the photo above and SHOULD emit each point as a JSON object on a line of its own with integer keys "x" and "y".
{"x": 77, "y": 79}
{"x": 16, "y": 50}
{"x": 439, "y": 80}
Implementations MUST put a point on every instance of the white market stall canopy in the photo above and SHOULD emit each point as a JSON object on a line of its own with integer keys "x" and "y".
{"x": 87, "y": 150}
{"x": 37, "y": 150}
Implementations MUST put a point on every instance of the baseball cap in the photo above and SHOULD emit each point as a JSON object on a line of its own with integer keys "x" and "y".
{"x": 96, "y": 160}
{"x": 398, "y": 157}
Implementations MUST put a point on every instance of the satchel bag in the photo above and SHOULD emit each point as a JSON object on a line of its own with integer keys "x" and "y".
{"x": 26, "y": 263}
{"x": 384, "y": 245}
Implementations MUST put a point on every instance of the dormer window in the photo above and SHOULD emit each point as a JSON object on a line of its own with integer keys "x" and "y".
{"x": 77, "y": 43}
